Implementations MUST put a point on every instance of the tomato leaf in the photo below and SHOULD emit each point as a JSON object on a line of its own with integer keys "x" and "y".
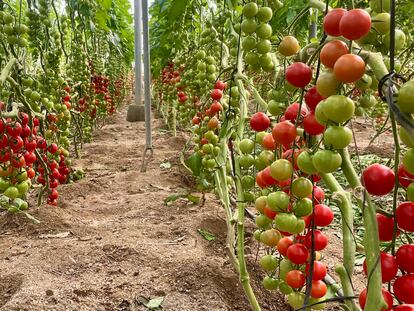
{"x": 193, "y": 198}
{"x": 206, "y": 234}
{"x": 194, "y": 163}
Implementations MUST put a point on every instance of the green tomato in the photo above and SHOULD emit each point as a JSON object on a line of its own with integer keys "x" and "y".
{"x": 250, "y": 10}
{"x": 296, "y": 300}
{"x": 249, "y": 43}
{"x": 408, "y": 161}
{"x": 338, "y": 108}
{"x": 302, "y": 187}
{"x": 264, "y": 46}
{"x": 246, "y": 146}
{"x": 260, "y": 203}
{"x": 410, "y": 192}
{"x": 284, "y": 267}
{"x": 266, "y": 157}
{"x": 249, "y": 26}
{"x": 305, "y": 164}
{"x": 4, "y": 184}
{"x": 405, "y": 137}
{"x": 405, "y": 99}
{"x": 326, "y": 161}
{"x": 270, "y": 283}
{"x": 263, "y": 222}
{"x": 252, "y": 59}
{"x": 281, "y": 170}
{"x": 284, "y": 288}
{"x": 303, "y": 207}
{"x": 265, "y": 60}
{"x": 275, "y": 108}
{"x": 300, "y": 226}
{"x": 278, "y": 201}
{"x": 381, "y": 23}
{"x": 264, "y": 14}
{"x": 12, "y": 192}
{"x": 257, "y": 235}
{"x": 364, "y": 83}
{"x": 22, "y": 187}
{"x": 264, "y": 31}
{"x": 286, "y": 222}
{"x": 260, "y": 136}
{"x": 367, "y": 101}
{"x": 247, "y": 182}
{"x": 400, "y": 40}
{"x": 337, "y": 137}
{"x": 246, "y": 161}
{"x": 269, "y": 262}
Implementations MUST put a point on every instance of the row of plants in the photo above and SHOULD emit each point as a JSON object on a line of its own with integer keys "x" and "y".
{"x": 269, "y": 91}
{"x": 64, "y": 68}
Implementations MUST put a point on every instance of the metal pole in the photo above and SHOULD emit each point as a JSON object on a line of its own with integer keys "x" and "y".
{"x": 147, "y": 86}
{"x": 138, "y": 51}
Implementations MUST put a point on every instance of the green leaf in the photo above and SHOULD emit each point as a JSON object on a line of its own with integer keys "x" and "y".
{"x": 194, "y": 163}
{"x": 177, "y": 9}
{"x": 172, "y": 198}
{"x": 154, "y": 303}
{"x": 193, "y": 198}
{"x": 206, "y": 235}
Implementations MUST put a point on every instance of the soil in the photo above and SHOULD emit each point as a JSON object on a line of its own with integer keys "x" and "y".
{"x": 112, "y": 241}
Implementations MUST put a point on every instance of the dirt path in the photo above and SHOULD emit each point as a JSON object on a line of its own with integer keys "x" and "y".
{"x": 113, "y": 240}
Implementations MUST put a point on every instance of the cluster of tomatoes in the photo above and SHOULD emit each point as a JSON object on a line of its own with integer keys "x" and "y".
{"x": 21, "y": 146}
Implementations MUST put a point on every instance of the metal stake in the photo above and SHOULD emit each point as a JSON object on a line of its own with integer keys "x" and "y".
{"x": 138, "y": 51}
{"x": 147, "y": 87}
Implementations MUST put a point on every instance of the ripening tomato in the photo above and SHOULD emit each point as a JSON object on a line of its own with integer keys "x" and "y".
{"x": 268, "y": 142}
{"x": 284, "y": 244}
{"x": 312, "y": 98}
{"x": 259, "y": 122}
{"x": 267, "y": 177}
{"x": 295, "y": 279}
{"x": 284, "y": 133}
{"x": 349, "y": 68}
{"x": 318, "y": 289}
{"x": 289, "y": 46}
{"x": 355, "y": 24}
{"x": 331, "y": 22}
{"x": 378, "y": 179}
{"x": 311, "y": 125}
{"x": 405, "y": 216}
{"x": 385, "y": 294}
{"x": 299, "y": 74}
{"x": 297, "y": 253}
{"x": 404, "y": 288}
{"x": 319, "y": 270}
{"x": 385, "y": 227}
{"x": 389, "y": 267}
{"x": 332, "y": 51}
{"x": 405, "y": 257}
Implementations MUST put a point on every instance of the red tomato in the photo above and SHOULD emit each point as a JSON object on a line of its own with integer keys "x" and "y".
{"x": 349, "y": 68}
{"x": 259, "y": 180}
{"x": 331, "y": 22}
{"x": 355, "y": 24}
{"x": 332, "y": 51}
{"x": 404, "y": 177}
{"x": 284, "y": 244}
{"x": 318, "y": 289}
{"x": 220, "y": 85}
{"x": 295, "y": 279}
{"x": 284, "y": 133}
{"x": 385, "y": 227}
{"x": 378, "y": 179}
{"x": 216, "y": 94}
{"x": 318, "y": 194}
{"x": 320, "y": 239}
{"x": 405, "y": 257}
{"x": 267, "y": 177}
{"x": 312, "y": 98}
{"x": 297, "y": 253}
{"x": 299, "y": 74}
{"x": 404, "y": 307}
{"x": 291, "y": 112}
{"x": 389, "y": 267}
{"x": 259, "y": 122}
{"x": 323, "y": 215}
{"x": 216, "y": 107}
{"x": 386, "y": 294}
{"x": 404, "y": 288}
{"x": 319, "y": 270}
{"x": 405, "y": 216}
{"x": 311, "y": 125}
